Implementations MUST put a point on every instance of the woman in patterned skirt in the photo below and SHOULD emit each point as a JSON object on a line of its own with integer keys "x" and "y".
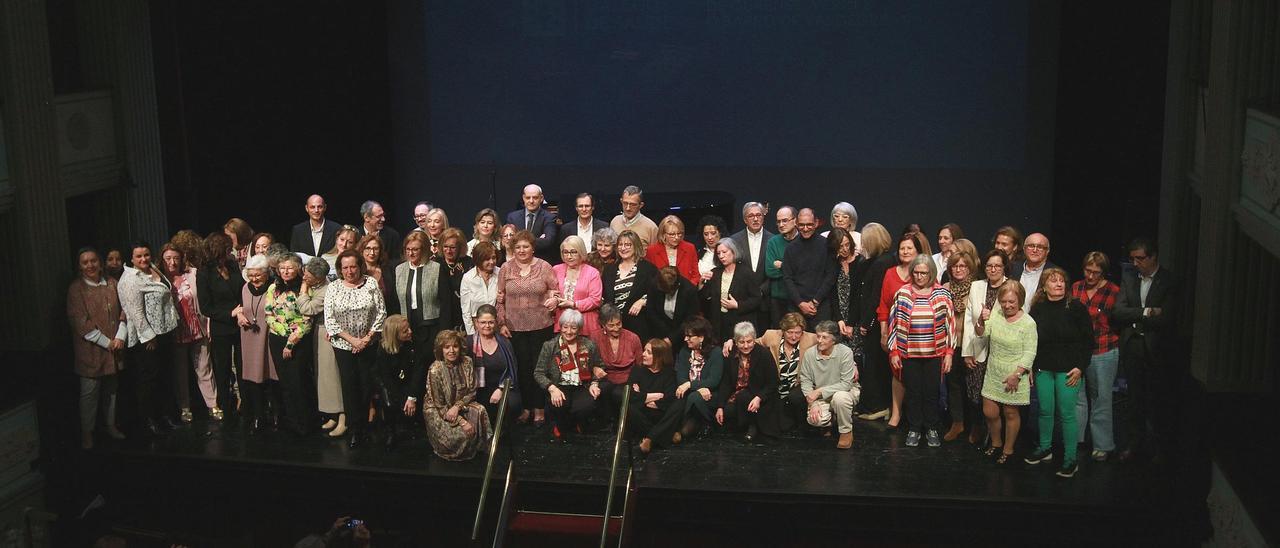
{"x": 457, "y": 425}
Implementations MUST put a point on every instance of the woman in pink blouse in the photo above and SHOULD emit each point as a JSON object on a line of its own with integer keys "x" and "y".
{"x": 191, "y": 339}
{"x": 527, "y": 300}
{"x": 578, "y": 284}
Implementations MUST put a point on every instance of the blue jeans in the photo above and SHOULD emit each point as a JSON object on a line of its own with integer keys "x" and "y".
{"x": 1100, "y": 379}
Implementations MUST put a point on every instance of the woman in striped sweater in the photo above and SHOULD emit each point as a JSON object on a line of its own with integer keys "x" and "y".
{"x": 921, "y": 328}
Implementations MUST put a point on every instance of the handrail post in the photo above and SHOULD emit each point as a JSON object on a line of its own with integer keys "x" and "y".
{"x": 613, "y": 468}
{"x": 493, "y": 453}
{"x": 626, "y": 507}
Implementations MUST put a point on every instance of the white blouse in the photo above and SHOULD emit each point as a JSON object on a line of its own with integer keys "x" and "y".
{"x": 474, "y": 293}
{"x": 148, "y": 305}
{"x": 354, "y": 310}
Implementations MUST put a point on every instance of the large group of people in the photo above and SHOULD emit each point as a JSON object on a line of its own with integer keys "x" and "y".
{"x": 355, "y": 327}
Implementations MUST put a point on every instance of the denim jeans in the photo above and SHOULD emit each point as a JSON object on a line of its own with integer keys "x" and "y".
{"x": 1093, "y": 405}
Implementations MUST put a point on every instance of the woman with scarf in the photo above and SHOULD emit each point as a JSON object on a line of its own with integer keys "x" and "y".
{"x": 965, "y": 413}
{"x": 567, "y": 369}
{"x": 289, "y": 338}
{"x": 258, "y": 374}
{"x": 495, "y": 362}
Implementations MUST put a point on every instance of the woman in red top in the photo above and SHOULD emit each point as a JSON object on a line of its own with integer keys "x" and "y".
{"x": 619, "y": 350}
{"x": 1094, "y": 402}
{"x": 671, "y": 249}
{"x": 909, "y": 247}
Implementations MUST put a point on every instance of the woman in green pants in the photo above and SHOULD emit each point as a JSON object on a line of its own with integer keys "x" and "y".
{"x": 1065, "y": 335}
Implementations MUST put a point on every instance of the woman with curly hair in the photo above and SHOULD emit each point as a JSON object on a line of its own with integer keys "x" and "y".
{"x": 457, "y": 425}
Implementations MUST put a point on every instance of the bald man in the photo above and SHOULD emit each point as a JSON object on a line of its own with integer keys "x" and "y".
{"x": 317, "y": 234}
{"x": 537, "y": 220}
{"x": 1036, "y": 249}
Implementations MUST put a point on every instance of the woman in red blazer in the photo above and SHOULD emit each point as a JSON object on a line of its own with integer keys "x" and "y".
{"x": 671, "y": 249}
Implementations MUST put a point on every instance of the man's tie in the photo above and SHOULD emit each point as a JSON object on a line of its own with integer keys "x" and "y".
{"x": 528, "y": 223}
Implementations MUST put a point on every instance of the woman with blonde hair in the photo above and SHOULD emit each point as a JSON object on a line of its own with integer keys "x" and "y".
{"x": 671, "y": 249}
{"x": 485, "y": 229}
{"x": 875, "y": 374}
{"x": 346, "y": 238}
{"x": 399, "y": 377}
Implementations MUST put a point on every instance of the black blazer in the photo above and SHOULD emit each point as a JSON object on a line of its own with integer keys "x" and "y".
{"x": 1157, "y": 332}
{"x": 762, "y": 380}
{"x": 857, "y": 286}
{"x": 218, "y": 297}
{"x": 544, "y": 233}
{"x": 646, "y": 273}
{"x": 686, "y": 307}
{"x": 745, "y": 251}
{"x": 745, "y": 288}
{"x": 570, "y": 228}
{"x": 301, "y": 239}
{"x": 400, "y": 376}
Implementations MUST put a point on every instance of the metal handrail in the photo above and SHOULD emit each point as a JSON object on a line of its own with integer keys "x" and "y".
{"x": 493, "y": 453}
{"x": 626, "y": 507}
{"x": 613, "y": 469}
{"x": 504, "y": 511}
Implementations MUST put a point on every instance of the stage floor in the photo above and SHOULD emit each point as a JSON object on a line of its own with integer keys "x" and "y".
{"x": 878, "y": 466}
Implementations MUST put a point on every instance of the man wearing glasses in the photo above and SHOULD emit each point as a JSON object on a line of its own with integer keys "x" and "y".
{"x": 1145, "y": 314}
{"x": 808, "y": 271}
{"x": 1036, "y": 247}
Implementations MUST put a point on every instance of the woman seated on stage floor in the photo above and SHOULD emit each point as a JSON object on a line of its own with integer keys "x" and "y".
{"x": 1011, "y": 342}
{"x": 496, "y": 358}
{"x": 457, "y": 425}
{"x": 399, "y": 377}
{"x": 698, "y": 370}
{"x": 748, "y": 392}
{"x": 619, "y": 350}
{"x": 566, "y": 370}
{"x": 652, "y": 412}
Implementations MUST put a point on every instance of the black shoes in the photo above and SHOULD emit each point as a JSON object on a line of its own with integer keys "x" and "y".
{"x": 1041, "y": 455}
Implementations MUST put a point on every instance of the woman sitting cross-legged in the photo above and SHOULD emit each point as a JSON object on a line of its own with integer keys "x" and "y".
{"x": 698, "y": 369}
{"x": 457, "y": 425}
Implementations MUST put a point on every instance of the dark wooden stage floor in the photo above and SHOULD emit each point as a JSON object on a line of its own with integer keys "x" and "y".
{"x": 795, "y": 491}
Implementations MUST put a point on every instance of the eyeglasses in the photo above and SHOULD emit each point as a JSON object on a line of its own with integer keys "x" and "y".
{"x": 1037, "y": 246}
{"x": 806, "y": 225}
{"x": 568, "y": 252}
{"x": 995, "y": 266}
{"x": 925, "y": 273}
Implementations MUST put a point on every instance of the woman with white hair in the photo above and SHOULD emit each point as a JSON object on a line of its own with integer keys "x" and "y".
{"x": 843, "y": 215}
{"x": 602, "y": 254}
{"x": 569, "y": 370}
{"x": 732, "y": 295}
{"x": 580, "y": 287}
{"x": 257, "y": 370}
{"x": 289, "y": 339}
{"x": 748, "y": 387}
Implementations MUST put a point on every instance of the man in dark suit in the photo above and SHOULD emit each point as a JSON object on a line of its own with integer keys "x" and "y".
{"x": 316, "y": 235}
{"x": 752, "y": 242}
{"x": 1145, "y": 313}
{"x": 1028, "y": 271}
{"x": 537, "y": 220}
{"x": 375, "y": 222}
{"x": 585, "y": 225}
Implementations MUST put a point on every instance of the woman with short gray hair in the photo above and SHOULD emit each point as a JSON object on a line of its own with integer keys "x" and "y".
{"x": 748, "y": 392}
{"x": 569, "y": 369}
{"x": 732, "y": 295}
{"x": 844, "y": 215}
{"x": 602, "y": 254}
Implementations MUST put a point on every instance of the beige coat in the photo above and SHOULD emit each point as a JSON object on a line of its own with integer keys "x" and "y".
{"x": 94, "y": 311}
